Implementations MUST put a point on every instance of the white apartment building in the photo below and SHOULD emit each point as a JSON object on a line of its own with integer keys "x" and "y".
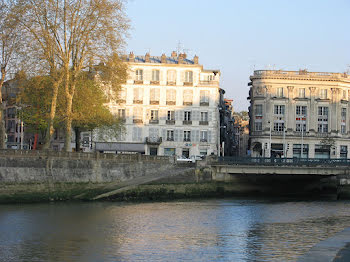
{"x": 299, "y": 114}
{"x": 169, "y": 105}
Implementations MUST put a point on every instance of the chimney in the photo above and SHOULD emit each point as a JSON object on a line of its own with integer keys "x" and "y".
{"x": 173, "y": 54}
{"x": 184, "y": 55}
{"x": 147, "y": 56}
{"x": 195, "y": 60}
{"x": 131, "y": 57}
{"x": 163, "y": 59}
{"x": 181, "y": 59}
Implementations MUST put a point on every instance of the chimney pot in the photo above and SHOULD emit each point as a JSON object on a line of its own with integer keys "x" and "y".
{"x": 131, "y": 57}
{"x": 147, "y": 56}
{"x": 163, "y": 59}
{"x": 173, "y": 54}
{"x": 195, "y": 60}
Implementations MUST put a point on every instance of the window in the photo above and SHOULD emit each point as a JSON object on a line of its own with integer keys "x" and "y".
{"x": 169, "y": 151}
{"x": 189, "y": 77}
{"x": 188, "y": 97}
{"x": 170, "y": 135}
{"x": 323, "y": 111}
{"x": 323, "y": 93}
{"x": 154, "y": 115}
{"x": 278, "y": 126}
{"x": 154, "y": 96}
{"x": 279, "y": 92}
{"x": 343, "y": 151}
{"x": 139, "y": 75}
{"x": 138, "y": 95}
{"x": 300, "y": 127}
{"x": 301, "y": 92}
{"x": 138, "y": 111}
{"x": 187, "y": 136}
{"x": 204, "y": 116}
{"x": 204, "y": 136}
{"x": 122, "y": 96}
{"x": 279, "y": 110}
{"x": 301, "y": 110}
{"x": 170, "y": 115}
{"x": 258, "y": 126}
{"x": 171, "y": 96}
{"x": 343, "y": 121}
{"x": 204, "y": 97}
{"x": 187, "y": 116}
{"x": 258, "y": 110}
{"x": 121, "y": 113}
{"x": 171, "y": 76}
{"x": 155, "y": 75}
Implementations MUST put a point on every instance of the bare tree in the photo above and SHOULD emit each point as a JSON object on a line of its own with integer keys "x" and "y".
{"x": 74, "y": 35}
{"x": 9, "y": 45}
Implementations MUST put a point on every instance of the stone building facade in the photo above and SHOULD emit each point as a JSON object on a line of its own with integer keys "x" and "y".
{"x": 299, "y": 114}
{"x": 169, "y": 105}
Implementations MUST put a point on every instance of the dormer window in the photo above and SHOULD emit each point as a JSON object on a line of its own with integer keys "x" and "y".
{"x": 139, "y": 75}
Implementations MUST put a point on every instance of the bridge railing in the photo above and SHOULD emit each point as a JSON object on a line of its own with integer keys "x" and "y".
{"x": 283, "y": 161}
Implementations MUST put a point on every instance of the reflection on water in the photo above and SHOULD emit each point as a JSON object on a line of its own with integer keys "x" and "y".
{"x": 206, "y": 230}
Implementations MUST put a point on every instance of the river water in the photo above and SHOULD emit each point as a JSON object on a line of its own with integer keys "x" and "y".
{"x": 200, "y": 230}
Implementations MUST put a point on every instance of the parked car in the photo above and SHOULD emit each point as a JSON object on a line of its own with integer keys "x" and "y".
{"x": 184, "y": 159}
{"x": 195, "y": 158}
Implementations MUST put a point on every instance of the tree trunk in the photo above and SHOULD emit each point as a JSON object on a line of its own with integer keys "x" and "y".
{"x": 50, "y": 129}
{"x": 68, "y": 124}
{"x": 77, "y": 139}
{"x": 2, "y": 120}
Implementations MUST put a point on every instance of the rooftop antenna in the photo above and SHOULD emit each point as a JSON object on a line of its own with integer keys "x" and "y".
{"x": 148, "y": 50}
{"x": 179, "y": 47}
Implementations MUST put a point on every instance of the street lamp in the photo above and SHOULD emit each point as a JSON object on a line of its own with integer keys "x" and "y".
{"x": 270, "y": 136}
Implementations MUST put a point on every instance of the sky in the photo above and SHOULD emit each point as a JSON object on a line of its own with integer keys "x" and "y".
{"x": 240, "y": 36}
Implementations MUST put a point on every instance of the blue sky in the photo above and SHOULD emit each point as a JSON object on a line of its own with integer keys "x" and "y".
{"x": 237, "y": 37}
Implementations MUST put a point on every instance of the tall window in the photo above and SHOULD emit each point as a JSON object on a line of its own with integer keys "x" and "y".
{"x": 204, "y": 136}
{"x": 258, "y": 126}
{"x": 170, "y": 135}
{"x": 188, "y": 97}
{"x": 138, "y": 112}
{"x": 279, "y": 109}
{"x": 278, "y": 126}
{"x": 204, "y": 97}
{"x": 154, "y": 115}
{"x": 323, "y": 93}
{"x": 258, "y": 110}
{"x": 170, "y": 115}
{"x": 204, "y": 116}
{"x": 139, "y": 75}
{"x": 300, "y": 120}
{"x": 171, "y": 76}
{"x": 343, "y": 121}
{"x": 187, "y": 136}
{"x": 155, "y": 75}
{"x": 121, "y": 113}
{"x": 154, "y": 96}
{"x": 301, "y": 110}
{"x": 122, "y": 96}
{"x": 322, "y": 119}
{"x": 187, "y": 116}
{"x": 189, "y": 76}
{"x": 343, "y": 151}
{"x": 279, "y": 91}
{"x": 301, "y": 92}
{"x": 138, "y": 95}
{"x": 171, "y": 96}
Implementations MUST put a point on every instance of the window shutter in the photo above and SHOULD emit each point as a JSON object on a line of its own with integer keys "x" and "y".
{"x": 181, "y": 135}
{"x": 209, "y": 136}
{"x": 178, "y": 115}
{"x": 176, "y": 135}
{"x": 197, "y": 136}
{"x": 164, "y": 134}
{"x": 209, "y": 116}
{"x": 193, "y": 136}
{"x": 196, "y": 115}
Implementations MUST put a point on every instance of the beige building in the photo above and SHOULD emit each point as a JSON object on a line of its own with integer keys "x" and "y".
{"x": 170, "y": 107}
{"x": 299, "y": 113}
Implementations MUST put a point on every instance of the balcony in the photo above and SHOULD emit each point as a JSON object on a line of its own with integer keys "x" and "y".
{"x": 187, "y": 122}
{"x": 171, "y": 103}
{"x": 171, "y": 83}
{"x": 170, "y": 139}
{"x": 170, "y": 122}
{"x": 137, "y": 121}
{"x": 138, "y": 82}
{"x": 203, "y": 123}
{"x": 187, "y": 139}
{"x": 203, "y": 140}
{"x": 121, "y": 101}
{"x": 154, "y": 82}
{"x": 208, "y": 83}
{"x": 138, "y": 101}
{"x": 154, "y": 121}
{"x": 188, "y": 83}
{"x": 187, "y": 103}
{"x": 154, "y": 102}
{"x": 204, "y": 103}
{"x": 153, "y": 140}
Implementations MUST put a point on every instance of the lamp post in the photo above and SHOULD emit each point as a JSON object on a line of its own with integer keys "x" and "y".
{"x": 270, "y": 137}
